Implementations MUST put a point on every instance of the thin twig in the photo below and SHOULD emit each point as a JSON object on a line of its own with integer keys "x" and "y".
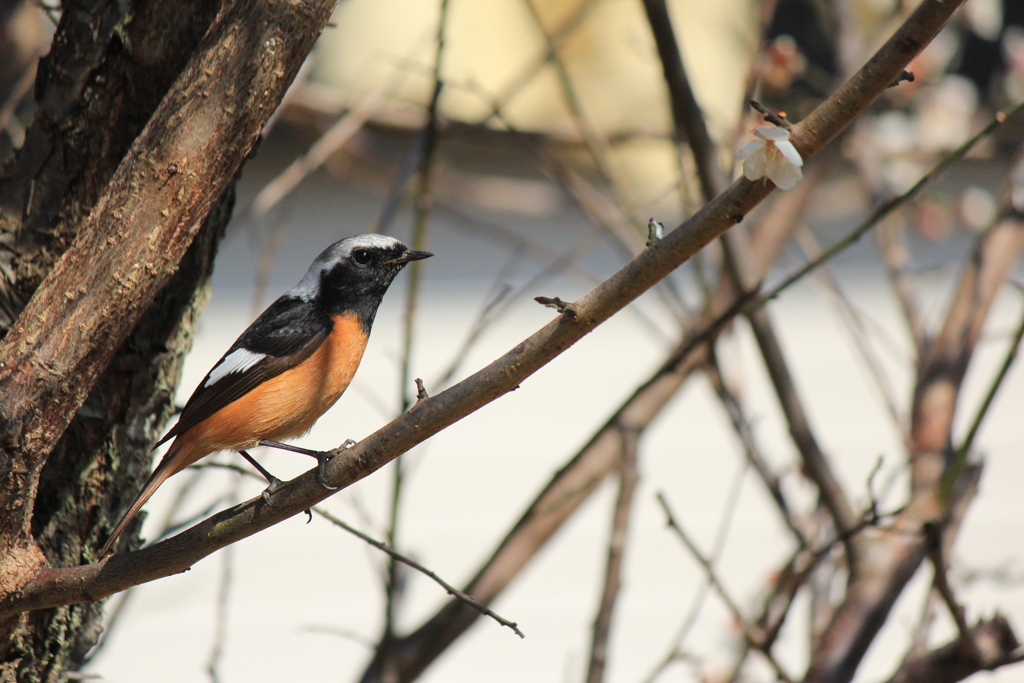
{"x": 895, "y": 258}
{"x": 688, "y": 119}
{"x": 816, "y": 464}
{"x": 731, "y": 504}
{"x": 609, "y": 216}
{"x": 596, "y": 144}
{"x": 554, "y": 261}
{"x": 616, "y": 552}
{"x": 621, "y": 221}
{"x": 220, "y": 622}
{"x": 604, "y": 213}
{"x": 530, "y": 71}
{"x": 383, "y": 547}
{"x": 505, "y": 297}
{"x": 419, "y": 239}
{"x": 268, "y": 254}
{"x": 399, "y": 557}
{"x": 741, "y": 425}
{"x": 933, "y": 532}
{"x": 922, "y": 631}
{"x": 854, "y": 320}
{"x": 740, "y": 268}
{"x": 770, "y": 116}
{"x": 347, "y": 634}
{"x": 752, "y": 633}
{"x": 959, "y": 462}
{"x": 565, "y": 307}
{"x": 332, "y": 140}
{"x": 791, "y": 578}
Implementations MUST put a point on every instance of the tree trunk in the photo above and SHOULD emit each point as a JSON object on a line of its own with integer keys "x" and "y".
{"x": 109, "y": 67}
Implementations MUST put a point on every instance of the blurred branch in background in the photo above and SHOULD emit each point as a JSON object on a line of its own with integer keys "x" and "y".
{"x": 613, "y": 568}
{"x": 422, "y": 209}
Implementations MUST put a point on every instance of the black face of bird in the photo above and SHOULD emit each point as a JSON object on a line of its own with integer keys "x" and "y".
{"x": 355, "y": 273}
{"x": 369, "y": 269}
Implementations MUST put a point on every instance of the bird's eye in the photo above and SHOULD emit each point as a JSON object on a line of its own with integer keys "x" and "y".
{"x": 361, "y": 256}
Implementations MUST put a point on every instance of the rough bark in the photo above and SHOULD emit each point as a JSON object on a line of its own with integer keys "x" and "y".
{"x": 78, "y": 427}
{"x": 95, "y": 91}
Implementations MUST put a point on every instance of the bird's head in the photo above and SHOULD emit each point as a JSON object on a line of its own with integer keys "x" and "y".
{"x": 354, "y": 274}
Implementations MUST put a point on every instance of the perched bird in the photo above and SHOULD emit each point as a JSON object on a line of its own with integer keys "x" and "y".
{"x": 289, "y": 366}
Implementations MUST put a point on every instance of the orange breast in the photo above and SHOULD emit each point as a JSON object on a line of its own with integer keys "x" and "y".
{"x": 287, "y": 405}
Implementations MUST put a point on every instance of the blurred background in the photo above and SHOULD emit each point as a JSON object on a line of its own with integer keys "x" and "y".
{"x": 527, "y": 149}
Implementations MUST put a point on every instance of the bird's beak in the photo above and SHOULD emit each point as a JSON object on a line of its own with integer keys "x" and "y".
{"x": 412, "y": 256}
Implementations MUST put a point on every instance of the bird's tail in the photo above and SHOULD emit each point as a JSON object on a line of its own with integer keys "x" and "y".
{"x": 172, "y": 462}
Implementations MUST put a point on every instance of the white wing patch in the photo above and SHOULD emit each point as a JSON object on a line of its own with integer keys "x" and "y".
{"x": 238, "y": 360}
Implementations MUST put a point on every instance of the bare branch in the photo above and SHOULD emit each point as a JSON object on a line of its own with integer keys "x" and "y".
{"x": 855, "y": 325}
{"x": 964, "y": 450}
{"x": 596, "y": 144}
{"x": 332, "y": 140}
{"x": 753, "y": 635}
{"x": 220, "y": 622}
{"x": 686, "y": 113}
{"x": 616, "y": 550}
{"x": 814, "y": 460}
{"x": 994, "y": 645}
{"x": 753, "y": 454}
{"x": 676, "y": 651}
{"x": 399, "y": 557}
{"x": 554, "y": 40}
{"x": 894, "y": 255}
{"x": 941, "y": 582}
{"x": 420, "y": 231}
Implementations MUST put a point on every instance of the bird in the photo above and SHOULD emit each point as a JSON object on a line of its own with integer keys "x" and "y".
{"x": 288, "y": 367}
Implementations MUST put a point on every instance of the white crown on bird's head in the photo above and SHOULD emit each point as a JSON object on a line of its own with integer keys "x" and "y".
{"x": 339, "y": 251}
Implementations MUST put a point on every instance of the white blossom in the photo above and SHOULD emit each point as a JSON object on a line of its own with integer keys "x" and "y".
{"x": 771, "y": 154}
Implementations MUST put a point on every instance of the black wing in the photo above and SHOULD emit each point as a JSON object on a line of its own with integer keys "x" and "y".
{"x": 285, "y": 334}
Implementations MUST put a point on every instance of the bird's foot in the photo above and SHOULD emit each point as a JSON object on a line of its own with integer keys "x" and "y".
{"x": 274, "y": 485}
{"x": 321, "y": 471}
{"x": 324, "y": 458}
